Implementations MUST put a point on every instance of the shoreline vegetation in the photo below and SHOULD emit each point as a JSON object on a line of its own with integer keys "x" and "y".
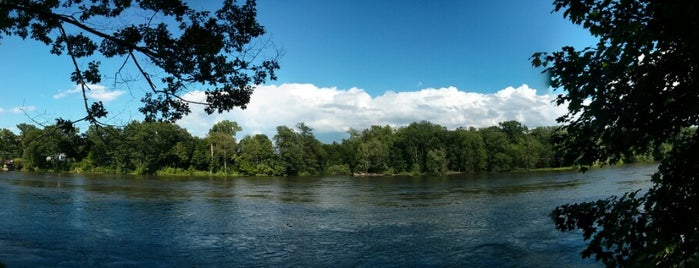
{"x": 165, "y": 149}
{"x": 204, "y": 174}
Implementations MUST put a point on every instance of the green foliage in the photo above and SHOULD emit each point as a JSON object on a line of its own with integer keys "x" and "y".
{"x": 288, "y": 145}
{"x": 466, "y": 151}
{"x": 635, "y": 91}
{"x": 166, "y": 149}
{"x": 201, "y": 155}
{"x": 51, "y": 148}
{"x": 372, "y": 149}
{"x": 497, "y": 146}
{"x": 437, "y": 162}
{"x": 147, "y": 146}
{"x": 338, "y": 170}
{"x": 256, "y": 155}
{"x": 299, "y": 150}
{"x": 213, "y": 50}
{"x": 415, "y": 141}
{"x": 9, "y": 145}
{"x": 222, "y": 144}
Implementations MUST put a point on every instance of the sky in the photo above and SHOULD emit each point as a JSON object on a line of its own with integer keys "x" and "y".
{"x": 344, "y": 64}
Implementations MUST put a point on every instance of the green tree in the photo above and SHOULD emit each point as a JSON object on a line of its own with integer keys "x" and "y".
{"x": 256, "y": 155}
{"x": 201, "y": 154}
{"x": 543, "y": 136}
{"x": 182, "y": 152}
{"x": 211, "y": 49}
{"x": 300, "y": 152}
{"x": 311, "y": 149}
{"x": 437, "y": 162}
{"x": 637, "y": 88}
{"x": 345, "y": 153}
{"x": 522, "y": 148}
{"x": 147, "y": 146}
{"x": 9, "y": 145}
{"x": 373, "y": 150}
{"x": 416, "y": 140}
{"x": 497, "y": 147}
{"x": 51, "y": 147}
{"x": 468, "y": 152}
{"x": 335, "y": 162}
{"x": 101, "y": 154}
{"x": 34, "y": 147}
{"x": 514, "y": 130}
{"x": 287, "y": 145}
{"x": 372, "y": 156}
{"x": 221, "y": 139}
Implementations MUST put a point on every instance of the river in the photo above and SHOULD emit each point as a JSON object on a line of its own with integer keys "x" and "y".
{"x": 497, "y": 220}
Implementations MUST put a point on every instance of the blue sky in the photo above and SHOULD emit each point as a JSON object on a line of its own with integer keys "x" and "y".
{"x": 345, "y": 64}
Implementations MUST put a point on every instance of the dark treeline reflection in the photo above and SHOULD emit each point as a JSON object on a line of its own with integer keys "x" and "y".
{"x": 165, "y": 148}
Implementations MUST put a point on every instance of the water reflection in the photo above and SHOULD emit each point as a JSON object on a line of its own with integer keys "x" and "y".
{"x": 474, "y": 221}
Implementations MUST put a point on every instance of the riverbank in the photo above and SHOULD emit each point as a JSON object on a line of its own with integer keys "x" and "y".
{"x": 178, "y": 172}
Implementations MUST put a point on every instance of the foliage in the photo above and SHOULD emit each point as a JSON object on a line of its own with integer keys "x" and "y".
{"x": 437, "y": 162}
{"x": 222, "y": 143}
{"x": 299, "y": 151}
{"x": 148, "y": 146}
{"x": 9, "y": 146}
{"x": 373, "y": 149}
{"x": 631, "y": 93}
{"x": 167, "y": 149}
{"x": 467, "y": 152}
{"x": 416, "y": 140}
{"x": 213, "y": 50}
{"x": 338, "y": 170}
{"x": 256, "y": 156}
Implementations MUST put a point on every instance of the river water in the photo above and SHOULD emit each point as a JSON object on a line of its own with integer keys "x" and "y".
{"x": 470, "y": 221}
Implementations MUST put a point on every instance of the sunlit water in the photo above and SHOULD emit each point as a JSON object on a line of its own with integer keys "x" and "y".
{"x": 469, "y": 221}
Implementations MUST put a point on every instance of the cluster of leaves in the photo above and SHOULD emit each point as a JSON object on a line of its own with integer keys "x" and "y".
{"x": 210, "y": 50}
{"x": 635, "y": 89}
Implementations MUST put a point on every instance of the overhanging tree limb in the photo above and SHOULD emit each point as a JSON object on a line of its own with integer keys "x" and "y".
{"x": 206, "y": 49}
{"x": 636, "y": 89}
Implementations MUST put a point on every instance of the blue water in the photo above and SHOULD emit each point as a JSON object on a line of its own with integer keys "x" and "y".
{"x": 471, "y": 221}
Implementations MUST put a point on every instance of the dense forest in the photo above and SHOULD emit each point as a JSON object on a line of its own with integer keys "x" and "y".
{"x": 165, "y": 148}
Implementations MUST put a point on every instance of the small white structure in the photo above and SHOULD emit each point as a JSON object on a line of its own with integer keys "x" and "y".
{"x": 57, "y": 157}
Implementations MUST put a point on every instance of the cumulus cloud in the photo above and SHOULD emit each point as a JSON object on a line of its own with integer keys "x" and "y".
{"x": 333, "y": 110}
{"x": 96, "y": 92}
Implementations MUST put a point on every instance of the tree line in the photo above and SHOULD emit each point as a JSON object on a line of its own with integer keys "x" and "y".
{"x": 166, "y": 148}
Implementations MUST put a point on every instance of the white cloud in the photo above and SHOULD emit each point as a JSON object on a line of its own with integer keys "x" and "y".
{"x": 336, "y": 110}
{"x": 23, "y": 109}
{"x": 64, "y": 93}
{"x": 96, "y": 92}
{"x": 18, "y": 109}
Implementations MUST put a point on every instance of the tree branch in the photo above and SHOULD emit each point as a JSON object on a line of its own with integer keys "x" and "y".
{"x": 81, "y": 81}
{"x": 153, "y": 87}
{"x": 73, "y": 21}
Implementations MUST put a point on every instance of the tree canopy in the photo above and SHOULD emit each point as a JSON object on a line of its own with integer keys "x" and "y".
{"x": 165, "y": 148}
{"x": 212, "y": 50}
{"x": 637, "y": 88}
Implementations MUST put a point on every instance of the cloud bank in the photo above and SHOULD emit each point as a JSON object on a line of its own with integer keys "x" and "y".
{"x": 96, "y": 92}
{"x": 333, "y": 110}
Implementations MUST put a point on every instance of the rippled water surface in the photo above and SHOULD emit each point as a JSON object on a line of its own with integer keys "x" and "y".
{"x": 471, "y": 221}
